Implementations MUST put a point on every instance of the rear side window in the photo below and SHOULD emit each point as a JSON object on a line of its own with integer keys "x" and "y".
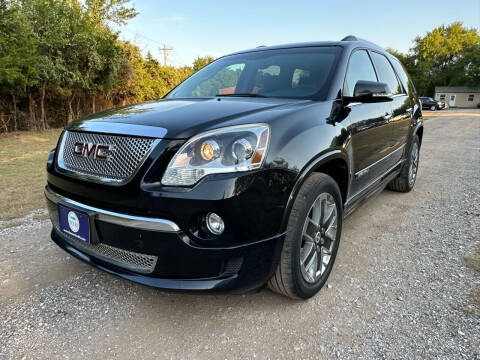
{"x": 385, "y": 73}
{"x": 359, "y": 68}
{"x": 402, "y": 74}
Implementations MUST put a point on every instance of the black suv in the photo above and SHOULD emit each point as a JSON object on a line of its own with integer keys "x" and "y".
{"x": 431, "y": 104}
{"x": 243, "y": 174}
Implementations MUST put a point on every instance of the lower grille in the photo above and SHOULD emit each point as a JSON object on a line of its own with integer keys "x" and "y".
{"x": 141, "y": 263}
{"x": 233, "y": 266}
{"x": 137, "y": 262}
{"x": 130, "y": 260}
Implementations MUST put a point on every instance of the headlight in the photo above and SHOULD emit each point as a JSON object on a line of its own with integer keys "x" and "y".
{"x": 225, "y": 150}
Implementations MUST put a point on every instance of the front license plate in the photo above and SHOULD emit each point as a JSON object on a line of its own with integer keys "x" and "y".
{"x": 74, "y": 223}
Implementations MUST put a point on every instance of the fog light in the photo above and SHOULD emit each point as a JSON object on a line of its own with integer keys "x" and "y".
{"x": 215, "y": 223}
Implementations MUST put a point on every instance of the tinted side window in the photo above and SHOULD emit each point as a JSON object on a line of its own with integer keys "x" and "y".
{"x": 386, "y": 73}
{"x": 402, "y": 74}
{"x": 359, "y": 68}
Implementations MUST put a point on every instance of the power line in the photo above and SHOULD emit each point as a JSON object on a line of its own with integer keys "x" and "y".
{"x": 179, "y": 60}
{"x": 164, "y": 49}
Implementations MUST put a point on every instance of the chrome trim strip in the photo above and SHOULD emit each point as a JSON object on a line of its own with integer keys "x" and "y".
{"x": 117, "y": 128}
{"x": 371, "y": 183}
{"x": 112, "y": 217}
{"x": 366, "y": 169}
{"x": 61, "y": 168}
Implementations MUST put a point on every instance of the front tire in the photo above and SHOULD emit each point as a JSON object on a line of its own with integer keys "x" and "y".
{"x": 312, "y": 239}
{"x": 433, "y": 108}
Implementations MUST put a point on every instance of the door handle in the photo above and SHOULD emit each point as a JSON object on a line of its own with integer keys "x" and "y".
{"x": 409, "y": 112}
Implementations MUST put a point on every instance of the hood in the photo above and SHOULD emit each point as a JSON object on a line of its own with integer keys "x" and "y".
{"x": 179, "y": 118}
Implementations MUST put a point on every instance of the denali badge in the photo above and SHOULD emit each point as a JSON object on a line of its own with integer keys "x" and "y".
{"x": 95, "y": 151}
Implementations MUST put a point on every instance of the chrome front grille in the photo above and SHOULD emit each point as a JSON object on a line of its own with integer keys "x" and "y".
{"x": 123, "y": 159}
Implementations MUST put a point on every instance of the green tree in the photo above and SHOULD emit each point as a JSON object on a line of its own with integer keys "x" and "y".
{"x": 79, "y": 57}
{"x": 143, "y": 78}
{"x": 466, "y": 71}
{"x": 438, "y": 52}
{"x": 18, "y": 55}
{"x": 445, "y": 56}
{"x": 201, "y": 62}
{"x": 115, "y": 11}
{"x": 51, "y": 22}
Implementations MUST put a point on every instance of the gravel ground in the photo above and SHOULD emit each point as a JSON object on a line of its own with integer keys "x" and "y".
{"x": 399, "y": 289}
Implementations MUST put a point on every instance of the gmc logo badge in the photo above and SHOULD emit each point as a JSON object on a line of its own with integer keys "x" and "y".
{"x": 94, "y": 151}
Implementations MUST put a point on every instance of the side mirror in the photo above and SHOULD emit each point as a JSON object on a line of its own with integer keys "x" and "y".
{"x": 370, "y": 92}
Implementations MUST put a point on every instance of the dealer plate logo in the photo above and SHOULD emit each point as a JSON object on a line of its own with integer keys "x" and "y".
{"x": 73, "y": 222}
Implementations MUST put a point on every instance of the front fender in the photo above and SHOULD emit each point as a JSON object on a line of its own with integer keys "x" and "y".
{"x": 311, "y": 167}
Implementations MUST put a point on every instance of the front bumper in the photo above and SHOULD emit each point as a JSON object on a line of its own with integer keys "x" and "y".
{"x": 157, "y": 253}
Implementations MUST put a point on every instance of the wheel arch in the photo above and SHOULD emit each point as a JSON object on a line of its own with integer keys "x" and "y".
{"x": 333, "y": 163}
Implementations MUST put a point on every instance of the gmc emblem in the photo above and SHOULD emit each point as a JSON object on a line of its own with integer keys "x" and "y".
{"x": 94, "y": 151}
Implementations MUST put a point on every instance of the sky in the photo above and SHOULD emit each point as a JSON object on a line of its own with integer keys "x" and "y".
{"x": 199, "y": 28}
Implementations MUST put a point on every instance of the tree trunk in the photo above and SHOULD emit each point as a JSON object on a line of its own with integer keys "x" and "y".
{"x": 93, "y": 104}
{"x": 43, "y": 118}
{"x": 31, "y": 111}
{"x": 3, "y": 122}
{"x": 78, "y": 108}
{"x": 70, "y": 110}
{"x": 14, "y": 99}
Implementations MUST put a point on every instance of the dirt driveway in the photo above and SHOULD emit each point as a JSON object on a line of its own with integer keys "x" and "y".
{"x": 399, "y": 289}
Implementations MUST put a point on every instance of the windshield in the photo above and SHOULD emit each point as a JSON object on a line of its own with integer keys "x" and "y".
{"x": 302, "y": 73}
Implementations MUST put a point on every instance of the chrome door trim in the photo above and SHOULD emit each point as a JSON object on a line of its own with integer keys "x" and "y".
{"x": 371, "y": 183}
{"x": 367, "y": 169}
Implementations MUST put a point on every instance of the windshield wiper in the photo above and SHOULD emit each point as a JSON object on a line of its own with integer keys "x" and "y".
{"x": 244, "y": 95}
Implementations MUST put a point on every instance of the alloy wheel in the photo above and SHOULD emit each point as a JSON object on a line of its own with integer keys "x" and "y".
{"x": 413, "y": 167}
{"x": 318, "y": 238}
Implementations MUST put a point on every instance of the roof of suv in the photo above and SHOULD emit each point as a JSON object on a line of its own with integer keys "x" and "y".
{"x": 349, "y": 42}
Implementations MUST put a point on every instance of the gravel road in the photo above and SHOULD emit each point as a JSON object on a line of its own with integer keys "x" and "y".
{"x": 399, "y": 289}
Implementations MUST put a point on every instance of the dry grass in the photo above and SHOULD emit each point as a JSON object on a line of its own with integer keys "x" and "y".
{"x": 23, "y": 157}
{"x": 473, "y": 262}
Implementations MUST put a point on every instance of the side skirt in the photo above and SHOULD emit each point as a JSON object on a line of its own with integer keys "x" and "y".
{"x": 376, "y": 186}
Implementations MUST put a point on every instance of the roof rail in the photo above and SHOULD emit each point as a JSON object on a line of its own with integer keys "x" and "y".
{"x": 354, "y": 38}
{"x": 350, "y": 38}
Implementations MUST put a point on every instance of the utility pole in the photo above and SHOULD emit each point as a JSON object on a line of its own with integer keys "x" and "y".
{"x": 165, "y": 54}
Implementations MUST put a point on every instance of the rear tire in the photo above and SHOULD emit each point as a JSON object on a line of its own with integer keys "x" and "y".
{"x": 312, "y": 238}
{"x": 405, "y": 181}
